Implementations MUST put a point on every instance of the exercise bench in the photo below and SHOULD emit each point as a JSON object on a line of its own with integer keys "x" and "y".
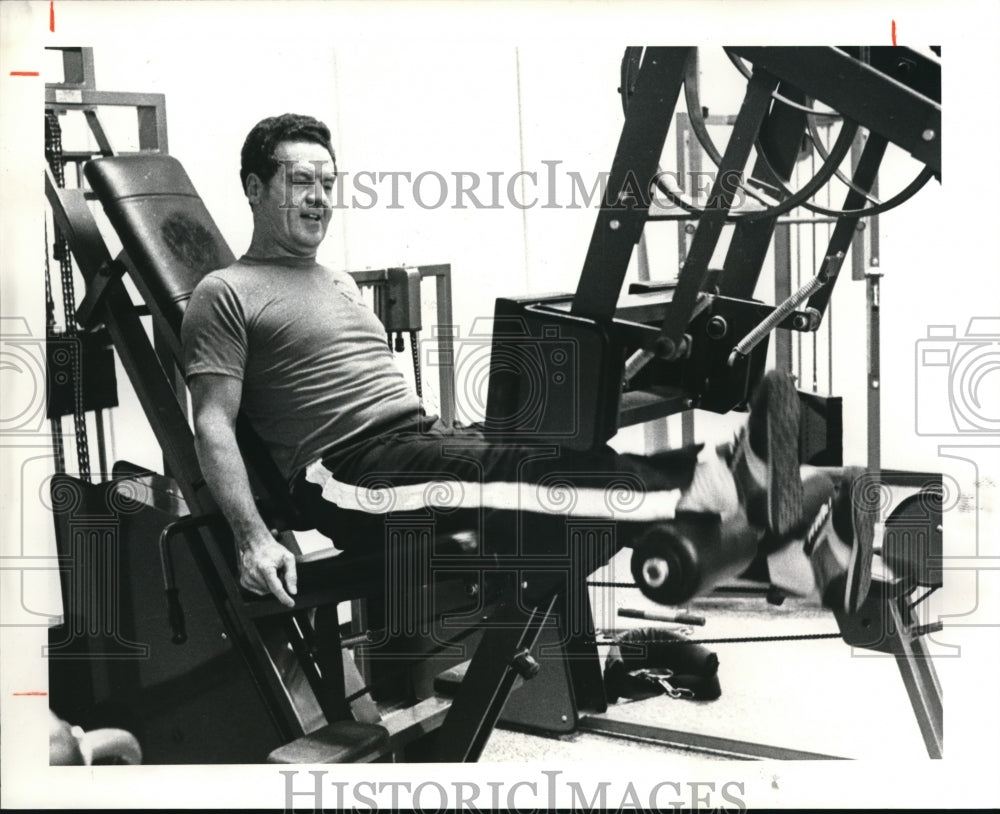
{"x": 169, "y": 242}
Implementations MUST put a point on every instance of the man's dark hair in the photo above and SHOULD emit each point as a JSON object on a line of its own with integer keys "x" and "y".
{"x": 257, "y": 155}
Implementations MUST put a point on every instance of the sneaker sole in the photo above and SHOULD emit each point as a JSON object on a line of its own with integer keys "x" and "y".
{"x": 859, "y": 569}
{"x": 784, "y": 487}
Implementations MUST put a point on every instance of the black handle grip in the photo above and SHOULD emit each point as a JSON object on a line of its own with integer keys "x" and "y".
{"x": 175, "y": 613}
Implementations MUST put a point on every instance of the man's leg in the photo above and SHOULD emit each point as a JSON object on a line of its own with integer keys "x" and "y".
{"x": 529, "y": 499}
{"x": 528, "y": 493}
{"x": 829, "y": 553}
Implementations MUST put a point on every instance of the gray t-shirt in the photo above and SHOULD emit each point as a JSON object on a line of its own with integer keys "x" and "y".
{"x": 313, "y": 358}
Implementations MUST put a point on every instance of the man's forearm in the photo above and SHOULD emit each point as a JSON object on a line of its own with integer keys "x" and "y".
{"x": 226, "y": 475}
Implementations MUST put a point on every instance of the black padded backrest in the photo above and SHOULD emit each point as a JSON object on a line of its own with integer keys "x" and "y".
{"x": 164, "y": 227}
{"x": 173, "y": 242}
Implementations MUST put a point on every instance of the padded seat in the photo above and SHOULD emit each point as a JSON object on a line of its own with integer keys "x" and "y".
{"x": 339, "y": 742}
{"x": 164, "y": 227}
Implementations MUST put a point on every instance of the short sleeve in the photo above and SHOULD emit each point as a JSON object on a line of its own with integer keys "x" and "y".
{"x": 213, "y": 333}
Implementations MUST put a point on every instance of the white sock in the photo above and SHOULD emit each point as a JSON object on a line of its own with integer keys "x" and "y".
{"x": 757, "y": 466}
{"x": 713, "y": 489}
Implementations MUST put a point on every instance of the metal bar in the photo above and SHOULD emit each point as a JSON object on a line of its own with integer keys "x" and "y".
{"x": 79, "y": 99}
{"x": 920, "y": 680}
{"x": 152, "y": 124}
{"x": 687, "y": 428}
{"x": 846, "y": 228}
{"x": 446, "y": 341}
{"x": 918, "y": 71}
{"x": 681, "y": 617}
{"x": 686, "y": 216}
{"x": 164, "y": 352}
{"x": 694, "y": 742}
{"x": 688, "y": 166}
{"x": 782, "y": 291}
{"x": 706, "y": 237}
{"x": 102, "y": 446}
{"x": 780, "y": 135}
{"x": 858, "y": 263}
{"x": 488, "y": 682}
{"x": 655, "y": 433}
{"x": 861, "y": 92}
{"x": 625, "y": 208}
{"x": 103, "y": 142}
{"x": 58, "y": 445}
{"x": 874, "y": 319}
{"x": 78, "y": 67}
{"x": 696, "y": 157}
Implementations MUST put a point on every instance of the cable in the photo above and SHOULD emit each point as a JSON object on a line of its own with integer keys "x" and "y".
{"x": 901, "y": 197}
{"x": 830, "y": 166}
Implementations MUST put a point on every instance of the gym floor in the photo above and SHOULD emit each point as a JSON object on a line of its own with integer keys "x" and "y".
{"x": 812, "y": 695}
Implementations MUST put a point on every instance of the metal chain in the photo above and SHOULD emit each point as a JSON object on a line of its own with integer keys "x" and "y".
{"x": 53, "y": 153}
{"x": 58, "y": 444}
{"x": 415, "y": 350}
{"x": 50, "y": 305}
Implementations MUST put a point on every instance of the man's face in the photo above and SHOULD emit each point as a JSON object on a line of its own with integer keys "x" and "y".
{"x": 292, "y": 211}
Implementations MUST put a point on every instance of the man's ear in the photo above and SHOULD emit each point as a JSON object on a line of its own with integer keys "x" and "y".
{"x": 255, "y": 188}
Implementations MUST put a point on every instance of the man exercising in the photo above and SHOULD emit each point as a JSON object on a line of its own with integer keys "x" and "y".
{"x": 292, "y": 344}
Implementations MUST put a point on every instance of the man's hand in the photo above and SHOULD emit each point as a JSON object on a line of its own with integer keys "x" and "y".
{"x": 262, "y": 568}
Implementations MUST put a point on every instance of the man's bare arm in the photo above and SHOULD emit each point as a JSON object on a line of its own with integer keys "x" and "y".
{"x": 263, "y": 561}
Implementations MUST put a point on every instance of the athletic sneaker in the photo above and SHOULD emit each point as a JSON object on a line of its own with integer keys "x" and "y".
{"x": 765, "y": 457}
{"x": 853, "y": 513}
{"x": 830, "y": 554}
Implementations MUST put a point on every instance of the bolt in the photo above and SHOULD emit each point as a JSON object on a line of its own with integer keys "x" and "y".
{"x": 524, "y": 585}
{"x": 874, "y": 261}
{"x": 224, "y": 636}
{"x": 928, "y": 135}
{"x": 564, "y": 718}
{"x": 614, "y": 225}
{"x": 689, "y": 228}
{"x": 525, "y": 664}
{"x": 800, "y": 322}
{"x": 716, "y": 327}
{"x": 874, "y": 384}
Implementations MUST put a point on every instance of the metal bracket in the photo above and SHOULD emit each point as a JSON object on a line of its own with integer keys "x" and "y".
{"x": 88, "y": 313}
